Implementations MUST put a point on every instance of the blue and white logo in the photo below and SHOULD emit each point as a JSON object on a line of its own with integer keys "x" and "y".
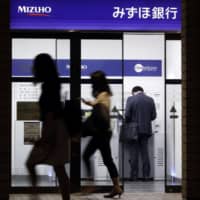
{"x": 138, "y": 68}
{"x": 143, "y": 68}
{"x": 34, "y": 10}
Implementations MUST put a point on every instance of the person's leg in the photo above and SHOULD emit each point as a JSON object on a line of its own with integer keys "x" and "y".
{"x": 30, "y": 165}
{"x": 104, "y": 147}
{"x": 89, "y": 151}
{"x": 145, "y": 157}
{"x": 133, "y": 159}
{"x": 32, "y": 172}
{"x": 63, "y": 182}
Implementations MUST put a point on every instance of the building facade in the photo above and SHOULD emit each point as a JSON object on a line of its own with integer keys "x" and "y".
{"x": 190, "y": 98}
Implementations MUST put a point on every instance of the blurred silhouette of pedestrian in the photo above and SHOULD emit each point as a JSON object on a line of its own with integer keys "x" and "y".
{"x": 53, "y": 146}
{"x": 101, "y": 137}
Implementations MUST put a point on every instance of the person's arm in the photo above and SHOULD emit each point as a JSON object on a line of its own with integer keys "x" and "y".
{"x": 153, "y": 115}
{"x": 102, "y": 97}
{"x": 89, "y": 103}
{"x": 128, "y": 110}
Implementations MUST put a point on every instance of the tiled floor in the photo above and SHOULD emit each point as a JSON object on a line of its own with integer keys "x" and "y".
{"x": 143, "y": 187}
{"x": 139, "y": 190}
{"x": 125, "y": 196}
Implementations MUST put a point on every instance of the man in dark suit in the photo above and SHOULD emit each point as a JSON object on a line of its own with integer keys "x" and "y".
{"x": 140, "y": 108}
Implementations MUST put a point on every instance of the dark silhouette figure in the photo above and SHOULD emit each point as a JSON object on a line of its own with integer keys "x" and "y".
{"x": 53, "y": 146}
{"x": 101, "y": 138}
{"x": 140, "y": 108}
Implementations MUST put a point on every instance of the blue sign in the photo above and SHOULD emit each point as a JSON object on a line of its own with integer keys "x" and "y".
{"x": 137, "y": 15}
{"x": 23, "y": 67}
{"x": 142, "y": 68}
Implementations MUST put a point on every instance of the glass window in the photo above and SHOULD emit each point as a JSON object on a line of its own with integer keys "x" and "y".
{"x": 173, "y": 135}
{"x": 26, "y": 125}
{"x": 105, "y": 55}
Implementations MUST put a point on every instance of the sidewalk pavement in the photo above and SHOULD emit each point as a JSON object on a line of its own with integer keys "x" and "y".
{"x": 125, "y": 196}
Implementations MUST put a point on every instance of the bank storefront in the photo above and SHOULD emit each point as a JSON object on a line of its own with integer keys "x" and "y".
{"x": 134, "y": 43}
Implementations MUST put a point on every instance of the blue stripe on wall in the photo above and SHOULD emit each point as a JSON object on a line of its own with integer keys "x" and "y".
{"x": 23, "y": 67}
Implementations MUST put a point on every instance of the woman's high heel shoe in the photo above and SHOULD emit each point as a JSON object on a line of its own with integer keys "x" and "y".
{"x": 117, "y": 191}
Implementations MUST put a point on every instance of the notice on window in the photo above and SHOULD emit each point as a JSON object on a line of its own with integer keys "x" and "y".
{"x": 27, "y": 111}
{"x": 31, "y": 132}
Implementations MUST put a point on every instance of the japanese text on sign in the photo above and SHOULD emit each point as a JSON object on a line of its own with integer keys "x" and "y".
{"x": 145, "y": 12}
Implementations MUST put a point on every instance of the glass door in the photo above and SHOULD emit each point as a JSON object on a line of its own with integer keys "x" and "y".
{"x": 98, "y": 54}
{"x": 104, "y": 55}
{"x": 173, "y": 116}
{"x": 26, "y": 125}
{"x": 118, "y": 57}
{"x": 173, "y": 137}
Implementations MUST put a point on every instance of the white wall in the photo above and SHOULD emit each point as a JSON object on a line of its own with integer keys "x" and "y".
{"x": 173, "y": 59}
{"x": 29, "y": 48}
{"x": 101, "y": 49}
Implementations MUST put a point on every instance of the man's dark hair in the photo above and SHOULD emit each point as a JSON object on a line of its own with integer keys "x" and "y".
{"x": 137, "y": 89}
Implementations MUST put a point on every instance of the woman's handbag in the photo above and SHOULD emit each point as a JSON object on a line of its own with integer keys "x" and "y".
{"x": 88, "y": 127}
{"x": 128, "y": 132}
{"x": 98, "y": 121}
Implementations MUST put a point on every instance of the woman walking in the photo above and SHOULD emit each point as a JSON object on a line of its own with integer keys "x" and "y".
{"x": 101, "y": 138}
{"x": 53, "y": 146}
